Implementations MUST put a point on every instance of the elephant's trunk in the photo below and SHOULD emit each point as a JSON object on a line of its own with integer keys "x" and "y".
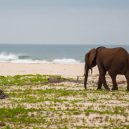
{"x": 86, "y": 75}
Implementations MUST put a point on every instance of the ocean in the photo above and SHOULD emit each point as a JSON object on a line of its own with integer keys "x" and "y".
{"x": 37, "y": 53}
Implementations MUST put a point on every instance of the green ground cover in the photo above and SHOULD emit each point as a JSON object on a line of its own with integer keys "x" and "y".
{"x": 33, "y": 102}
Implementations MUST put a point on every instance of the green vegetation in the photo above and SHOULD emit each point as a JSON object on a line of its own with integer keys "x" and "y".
{"x": 25, "y": 79}
{"x": 33, "y": 102}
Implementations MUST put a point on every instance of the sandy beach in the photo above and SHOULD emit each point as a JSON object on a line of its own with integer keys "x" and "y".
{"x": 33, "y": 101}
{"x": 62, "y": 104}
{"x": 66, "y": 70}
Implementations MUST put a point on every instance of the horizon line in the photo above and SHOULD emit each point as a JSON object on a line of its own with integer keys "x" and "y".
{"x": 21, "y": 43}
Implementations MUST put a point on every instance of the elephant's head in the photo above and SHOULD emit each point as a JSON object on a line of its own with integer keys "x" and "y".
{"x": 90, "y": 62}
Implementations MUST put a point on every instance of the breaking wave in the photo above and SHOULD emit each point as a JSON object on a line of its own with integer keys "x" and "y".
{"x": 19, "y": 58}
{"x": 67, "y": 61}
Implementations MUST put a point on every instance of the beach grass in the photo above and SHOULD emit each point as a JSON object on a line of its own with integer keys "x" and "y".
{"x": 33, "y": 102}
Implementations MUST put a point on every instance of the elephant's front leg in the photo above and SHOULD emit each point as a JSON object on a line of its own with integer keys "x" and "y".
{"x": 99, "y": 83}
{"x": 113, "y": 77}
{"x": 102, "y": 73}
{"x": 104, "y": 81}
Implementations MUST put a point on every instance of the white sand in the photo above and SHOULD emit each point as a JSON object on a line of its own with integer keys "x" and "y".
{"x": 66, "y": 70}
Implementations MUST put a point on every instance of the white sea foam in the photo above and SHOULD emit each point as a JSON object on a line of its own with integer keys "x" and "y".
{"x": 29, "y": 61}
{"x": 65, "y": 61}
{"x": 7, "y": 56}
{"x": 16, "y": 58}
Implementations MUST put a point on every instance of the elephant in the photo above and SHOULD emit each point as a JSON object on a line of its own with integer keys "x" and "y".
{"x": 112, "y": 60}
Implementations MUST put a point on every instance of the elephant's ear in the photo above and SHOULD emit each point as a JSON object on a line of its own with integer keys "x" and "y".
{"x": 92, "y": 55}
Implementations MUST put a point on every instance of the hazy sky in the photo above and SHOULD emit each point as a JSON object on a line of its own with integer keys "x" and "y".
{"x": 64, "y": 21}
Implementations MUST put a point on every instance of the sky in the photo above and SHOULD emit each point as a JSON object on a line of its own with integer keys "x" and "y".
{"x": 64, "y": 21}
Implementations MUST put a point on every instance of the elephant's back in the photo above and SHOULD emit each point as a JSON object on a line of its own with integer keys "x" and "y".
{"x": 106, "y": 52}
{"x": 114, "y": 56}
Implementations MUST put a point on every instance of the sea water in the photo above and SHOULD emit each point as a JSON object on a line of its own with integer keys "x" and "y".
{"x": 43, "y": 53}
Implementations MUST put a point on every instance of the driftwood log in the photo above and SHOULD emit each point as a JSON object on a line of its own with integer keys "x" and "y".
{"x": 59, "y": 80}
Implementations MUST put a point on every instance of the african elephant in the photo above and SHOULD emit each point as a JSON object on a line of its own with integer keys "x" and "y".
{"x": 112, "y": 60}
